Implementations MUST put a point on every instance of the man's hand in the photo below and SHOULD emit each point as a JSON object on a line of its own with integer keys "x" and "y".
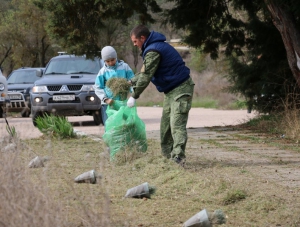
{"x": 131, "y": 102}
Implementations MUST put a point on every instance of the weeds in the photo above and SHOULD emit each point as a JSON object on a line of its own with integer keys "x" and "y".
{"x": 127, "y": 155}
{"x": 266, "y": 123}
{"x": 11, "y": 131}
{"x": 23, "y": 202}
{"x": 285, "y": 123}
{"x": 290, "y": 120}
{"x": 55, "y": 126}
{"x": 234, "y": 196}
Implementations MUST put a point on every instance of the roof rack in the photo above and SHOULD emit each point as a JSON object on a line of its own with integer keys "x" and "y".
{"x": 62, "y": 53}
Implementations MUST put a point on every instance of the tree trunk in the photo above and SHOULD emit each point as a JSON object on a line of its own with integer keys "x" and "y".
{"x": 290, "y": 35}
{"x": 6, "y": 55}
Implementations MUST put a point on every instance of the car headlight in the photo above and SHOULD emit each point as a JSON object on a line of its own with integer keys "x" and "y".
{"x": 2, "y": 86}
{"x": 86, "y": 87}
{"x": 38, "y": 89}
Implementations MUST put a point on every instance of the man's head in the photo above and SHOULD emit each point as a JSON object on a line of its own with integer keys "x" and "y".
{"x": 109, "y": 55}
{"x": 139, "y": 35}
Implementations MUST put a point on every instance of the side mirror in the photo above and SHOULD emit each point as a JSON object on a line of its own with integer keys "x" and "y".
{"x": 39, "y": 73}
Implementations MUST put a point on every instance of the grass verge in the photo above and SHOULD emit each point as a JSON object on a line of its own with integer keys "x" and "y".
{"x": 180, "y": 192}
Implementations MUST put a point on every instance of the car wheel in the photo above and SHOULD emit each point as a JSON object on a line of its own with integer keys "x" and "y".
{"x": 97, "y": 117}
{"x": 25, "y": 113}
{"x": 35, "y": 116}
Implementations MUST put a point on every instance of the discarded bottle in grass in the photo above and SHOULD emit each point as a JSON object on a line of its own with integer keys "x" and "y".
{"x": 206, "y": 219}
{"x": 198, "y": 220}
{"x": 36, "y": 162}
{"x": 87, "y": 177}
{"x": 140, "y": 191}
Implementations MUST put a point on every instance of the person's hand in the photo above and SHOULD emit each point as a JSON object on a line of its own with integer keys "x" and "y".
{"x": 131, "y": 102}
{"x": 109, "y": 101}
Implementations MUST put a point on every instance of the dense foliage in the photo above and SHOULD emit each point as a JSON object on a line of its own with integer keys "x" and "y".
{"x": 77, "y": 24}
{"x": 260, "y": 39}
{"x": 244, "y": 31}
{"x": 24, "y": 40}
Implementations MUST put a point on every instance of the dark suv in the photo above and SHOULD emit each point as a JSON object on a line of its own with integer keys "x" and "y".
{"x": 66, "y": 88}
{"x": 20, "y": 82}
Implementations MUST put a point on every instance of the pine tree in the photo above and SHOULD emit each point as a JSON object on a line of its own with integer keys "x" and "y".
{"x": 262, "y": 66}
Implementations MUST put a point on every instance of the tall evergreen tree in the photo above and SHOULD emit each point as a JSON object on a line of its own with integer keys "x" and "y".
{"x": 261, "y": 69}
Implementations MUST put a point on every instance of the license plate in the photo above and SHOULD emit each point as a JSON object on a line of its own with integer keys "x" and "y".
{"x": 15, "y": 96}
{"x": 64, "y": 97}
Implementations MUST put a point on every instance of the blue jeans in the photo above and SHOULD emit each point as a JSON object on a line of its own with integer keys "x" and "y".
{"x": 103, "y": 113}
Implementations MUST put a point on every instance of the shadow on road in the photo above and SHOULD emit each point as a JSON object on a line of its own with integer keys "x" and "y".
{"x": 83, "y": 123}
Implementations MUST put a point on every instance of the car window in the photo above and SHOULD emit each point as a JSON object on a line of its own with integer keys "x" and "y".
{"x": 73, "y": 66}
{"x": 23, "y": 77}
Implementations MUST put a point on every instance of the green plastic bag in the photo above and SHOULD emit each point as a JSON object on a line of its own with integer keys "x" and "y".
{"x": 124, "y": 129}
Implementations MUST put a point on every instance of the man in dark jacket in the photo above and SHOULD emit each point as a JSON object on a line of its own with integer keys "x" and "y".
{"x": 164, "y": 67}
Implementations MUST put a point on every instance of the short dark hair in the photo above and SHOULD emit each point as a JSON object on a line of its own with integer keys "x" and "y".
{"x": 140, "y": 30}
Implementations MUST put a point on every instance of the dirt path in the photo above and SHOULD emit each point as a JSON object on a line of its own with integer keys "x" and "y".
{"x": 245, "y": 151}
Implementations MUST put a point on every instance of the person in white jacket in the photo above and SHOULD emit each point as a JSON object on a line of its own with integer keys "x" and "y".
{"x": 112, "y": 68}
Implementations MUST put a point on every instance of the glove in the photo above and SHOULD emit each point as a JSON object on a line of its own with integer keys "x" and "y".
{"x": 131, "y": 102}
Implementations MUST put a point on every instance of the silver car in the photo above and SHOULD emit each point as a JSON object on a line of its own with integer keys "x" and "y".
{"x": 3, "y": 94}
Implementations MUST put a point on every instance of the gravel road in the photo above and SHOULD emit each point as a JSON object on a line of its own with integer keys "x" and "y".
{"x": 199, "y": 118}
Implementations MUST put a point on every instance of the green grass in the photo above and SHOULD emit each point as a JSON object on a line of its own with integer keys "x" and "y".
{"x": 205, "y": 102}
{"x": 237, "y": 105}
{"x": 234, "y": 196}
{"x": 198, "y": 102}
{"x": 261, "y": 118}
{"x": 267, "y": 123}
